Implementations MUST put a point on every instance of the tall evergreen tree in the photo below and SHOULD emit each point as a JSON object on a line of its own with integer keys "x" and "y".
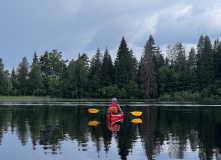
{"x": 84, "y": 58}
{"x": 124, "y": 65}
{"x": 35, "y": 79}
{"x": 35, "y": 58}
{"x": 148, "y": 73}
{"x": 191, "y": 75}
{"x": 120, "y": 64}
{"x": 217, "y": 58}
{"x": 200, "y": 47}
{"x": 45, "y": 64}
{"x": 3, "y": 84}
{"x": 72, "y": 79}
{"x": 132, "y": 67}
{"x": 14, "y": 81}
{"x": 205, "y": 63}
{"x": 22, "y": 73}
{"x": 180, "y": 62}
{"x": 106, "y": 69}
{"x": 95, "y": 74}
{"x": 192, "y": 59}
{"x": 158, "y": 58}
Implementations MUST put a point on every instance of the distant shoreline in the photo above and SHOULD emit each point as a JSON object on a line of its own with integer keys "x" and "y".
{"x": 50, "y": 99}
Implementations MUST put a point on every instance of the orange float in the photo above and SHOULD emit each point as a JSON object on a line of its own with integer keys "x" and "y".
{"x": 112, "y": 110}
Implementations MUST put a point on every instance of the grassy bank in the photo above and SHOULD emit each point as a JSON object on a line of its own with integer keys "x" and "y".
{"x": 164, "y": 98}
{"x": 28, "y": 99}
{"x": 49, "y": 99}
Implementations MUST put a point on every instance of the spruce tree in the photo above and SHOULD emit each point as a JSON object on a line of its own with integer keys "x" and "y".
{"x": 106, "y": 69}
{"x": 14, "y": 81}
{"x": 148, "y": 73}
{"x": 120, "y": 64}
{"x": 205, "y": 66}
{"x": 95, "y": 74}
{"x": 192, "y": 59}
{"x": 84, "y": 58}
{"x": 124, "y": 65}
{"x": 217, "y": 58}
{"x": 158, "y": 58}
{"x": 35, "y": 58}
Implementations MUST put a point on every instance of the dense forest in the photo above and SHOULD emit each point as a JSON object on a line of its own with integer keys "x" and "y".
{"x": 180, "y": 75}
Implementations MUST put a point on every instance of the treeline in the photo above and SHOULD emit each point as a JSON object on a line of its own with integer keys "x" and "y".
{"x": 181, "y": 75}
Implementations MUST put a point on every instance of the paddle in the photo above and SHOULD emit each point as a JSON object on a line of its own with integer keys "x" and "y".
{"x": 136, "y": 113}
{"x": 136, "y": 120}
{"x": 94, "y": 110}
{"x": 95, "y": 123}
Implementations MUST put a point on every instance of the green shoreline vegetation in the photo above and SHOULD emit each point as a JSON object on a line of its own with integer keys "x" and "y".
{"x": 50, "y": 99}
{"x": 180, "y": 75}
{"x": 164, "y": 98}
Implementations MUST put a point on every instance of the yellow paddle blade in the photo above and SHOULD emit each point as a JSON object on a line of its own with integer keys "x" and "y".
{"x": 137, "y": 120}
{"x": 93, "y": 123}
{"x": 93, "y": 110}
{"x": 136, "y": 113}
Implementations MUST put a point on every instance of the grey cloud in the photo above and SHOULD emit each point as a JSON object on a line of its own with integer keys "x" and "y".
{"x": 74, "y": 26}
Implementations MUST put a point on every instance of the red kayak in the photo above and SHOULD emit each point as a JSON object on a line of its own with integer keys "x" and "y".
{"x": 115, "y": 117}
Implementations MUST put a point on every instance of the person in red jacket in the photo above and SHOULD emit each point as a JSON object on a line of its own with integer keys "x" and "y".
{"x": 114, "y": 104}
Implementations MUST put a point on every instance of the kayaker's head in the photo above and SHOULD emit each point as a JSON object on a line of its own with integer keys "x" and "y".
{"x": 114, "y": 100}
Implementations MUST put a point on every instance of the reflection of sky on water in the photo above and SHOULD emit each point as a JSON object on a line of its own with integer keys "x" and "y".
{"x": 72, "y": 150}
{"x": 11, "y": 149}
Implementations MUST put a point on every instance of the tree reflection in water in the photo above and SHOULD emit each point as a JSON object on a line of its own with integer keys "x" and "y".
{"x": 147, "y": 129}
{"x": 175, "y": 130}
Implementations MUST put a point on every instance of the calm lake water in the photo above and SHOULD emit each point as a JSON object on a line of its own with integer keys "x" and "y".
{"x": 68, "y": 131}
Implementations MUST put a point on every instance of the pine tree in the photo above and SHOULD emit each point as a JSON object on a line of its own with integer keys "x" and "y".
{"x": 148, "y": 73}
{"x": 22, "y": 74}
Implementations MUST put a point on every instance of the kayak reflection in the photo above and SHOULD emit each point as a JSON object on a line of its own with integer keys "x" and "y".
{"x": 114, "y": 124}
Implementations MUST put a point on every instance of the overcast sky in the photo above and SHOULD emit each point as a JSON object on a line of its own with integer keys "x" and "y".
{"x": 81, "y": 26}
